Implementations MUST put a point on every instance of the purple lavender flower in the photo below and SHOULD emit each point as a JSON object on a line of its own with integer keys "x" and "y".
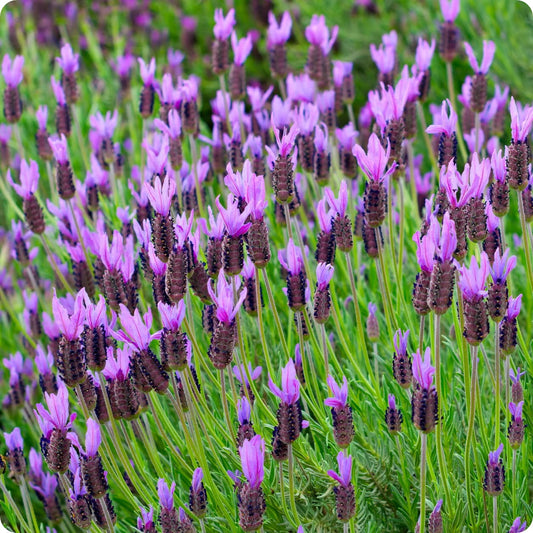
{"x": 291, "y": 259}
{"x": 521, "y": 122}
{"x": 346, "y": 136}
{"x": 518, "y": 526}
{"x": 117, "y": 368}
{"x": 12, "y": 70}
{"x": 160, "y": 194}
{"x": 146, "y": 521}
{"x": 513, "y": 307}
{"x": 147, "y": 71}
{"x": 339, "y": 204}
{"x": 14, "y": 440}
{"x": 450, "y": 9}
{"x": 317, "y": 33}
{"x": 375, "y": 160}
{"x": 278, "y": 34}
{"x": 344, "y": 477}
{"x": 223, "y": 25}
{"x": 488, "y": 54}
{"x": 472, "y": 279}
{"x": 252, "y": 454}
{"x": 447, "y": 123}
{"x": 240, "y": 373}
{"x": 29, "y": 179}
{"x": 69, "y": 62}
{"x": 340, "y": 394}
{"x": 324, "y": 273}
{"x": 400, "y": 342}
{"x": 241, "y": 48}
{"x": 172, "y": 315}
{"x": 515, "y": 376}
{"x": 224, "y": 299}
{"x": 244, "y": 410}
{"x": 424, "y": 54}
{"x": 290, "y": 386}
{"x": 502, "y": 266}
{"x": 70, "y": 324}
{"x": 135, "y": 329}
{"x": 59, "y": 148}
{"x": 516, "y": 410}
{"x": 384, "y": 57}
{"x": 494, "y": 457}
{"x": 422, "y": 370}
{"x": 166, "y": 494}
{"x": 234, "y": 220}
{"x": 58, "y": 410}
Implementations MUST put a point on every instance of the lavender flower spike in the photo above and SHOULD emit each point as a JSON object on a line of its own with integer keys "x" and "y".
{"x": 518, "y": 526}
{"x": 340, "y": 394}
{"x": 344, "y": 477}
{"x": 58, "y": 409}
{"x": 224, "y": 299}
{"x": 252, "y": 454}
{"x": 223, "y": 25}
{"x": 166, "y": 494}
{"x": 450, "y": 9}
{"x": 12, "y": 70}
{"x": 400, "y": 342}
{"x": 488, "y": 55}
{"x": 135, "y": 329}
{"x": 93, "y": 438}
{"x": 69, "y": 62}
{"x": 375, "y": 160}
{"x": 290, "y": 386}
{"x": 71, "y": 325}
{"x": 278, "y": 34}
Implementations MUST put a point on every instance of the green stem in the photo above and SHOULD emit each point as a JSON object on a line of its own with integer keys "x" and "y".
{"x": 470, "y": 432}
{"x": 291, "y": 483}
{"x": 272, "y": 303}
{"x": 423, "y": 462}
{"x": 405, "y": 476}
{"x": 260, "y": 322}
{"x": 513, "y": 488}
{"x": 477, "y": 126}
{"x": 527, "y": 244}
{"x": 14, "y": 507}
{"x": 494, "y": 514}
{"x": 497, "y": 385}
{"x": 28, "y": 506}
{"x": 229, "y": 422}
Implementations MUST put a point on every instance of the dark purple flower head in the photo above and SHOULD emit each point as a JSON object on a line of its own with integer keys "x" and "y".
{"x": 488, "y": 55}
{"x": 278, "y": 34}
{"x": 392, "y": 402}
{"x": 117, "y": 368}
{"x": 294, "y": 262}
{"x": 252, "y": 454}
{"x": 340, "y": 394}
{"x": 513, "y": 307}
{"x": 244, "y": 410}
{"x": 447, "y": 123}
{"x": 59, "y": 93}
{"x": 324, "y": 273}
{"x": 424, "y": 54}
{"x": 450, "y": 9}
{"x": 224, "y": 25}
{"x": 135, "y": 329}
{"x": 241, "y": 48}
{"x": 29, "y": 179}
{"x": 93, "y": 437}
{"x": 146, "y": 521}
{"x": 502, "y": 265}
{"x": 224, "y": 299}
{"x": 472, "y": 279}
{"x": 521, "y": 121}
{"x": 14, "y": 440}
{"x": 234, "y": 220}
{"x": 172, "y": 315}
{"x": 375, "y": 160}
{"x": 70, "y": 325}
{"x": 166, "y": 494}
{"x": 69, "y": 61}
{"x": 290, "y": 386}
{"x": 317, "y": 33}
{"x": 240, "y": 373}
{"x": 59, "y": 148}
{"x": 518, "y": 526}
{"x": 400, "y": 342}
{"x": 344, "y": 477}
{"x": 42, "y": 117}
{"x": 58, "y": 409}
{"x": 516, "y": 410}
{"x": 422, "y": 370}
{"x": 12, "y": 70}
{"x": 147, "y": 71}
{"x": 494, "y": 457}
{"x": 515, "y": 377}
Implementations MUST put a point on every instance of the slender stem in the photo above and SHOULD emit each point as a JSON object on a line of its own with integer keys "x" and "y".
{"x": 53, "y": 262}
{"x": 287, "y": 219}
{"x": 108, "y": 518}
{"x": 225, "y": 404}
{"x": 351, "y": 116}
{"x": 391, "y": 226}
{"x": 402, "y": 231}
{"x": 421, "y": 332}
{"x": 527, "y": 244}
{"x": 477, "y": 126}
{"x": 282, "y": 487}
{"x": 470, "y": 432}
{"x": 14, "y": 507}
{"x": 272, "y": 303}
{"x": 260, "y": 322}
{"x": 423, "y": 463}
{"x": 346, "y": 527}
{"x": 325, "y": 349}
{"x": 497, "y": 385}
{"x": 291, "y": 482}
{"x": 513, "y": 481}
{"x": 387, "y": 291}
{"x": 202, "y": 525}
{"x": 412, "y": 184}
{"x": 28, "y": 506}
{"x": 506, "y": 366}
{"x": 405, "y": 476}
{"x": 494, "y": 514}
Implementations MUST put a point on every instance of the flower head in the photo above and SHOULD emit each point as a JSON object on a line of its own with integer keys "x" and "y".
{"x": 515, "y": 377}
{"x": 12, "y": 70}
{"x": 69, "y": 61}
{"x": 317, "y": 33}
{"x": 346, "y": 136}
{"x": 147, "y": 71}
{"x": 518, "y": 526}
{"x": 172, "y": 315}
{"x": 59, "y": 148}
{"x": 104, "y": 125}
{"x": 488, "y": 55}
{"x": 341, "y": 70}
{"x": 513, "y": 307}
{"x": 135, "y": 329}
{"x": 241, "y": 48}
{"x": 240, "y": 373}
{"x": 42, "y": 116}
{"x": 344, "y": 477}
{"x": 425, "y": 251}
{"x": 384, "y": 57}
{"x": 161, "y": 194}
{"x": 516, "y": 410}
{"x": 244, "y": 410}
{"x": 502, "y": 266}
{"x": 422, "y": 370}
{"x": 70, "y": 325}
{"x": 224, "y": 25}
{"x": 146, "y": 521}
{"x": 234, "y": 220}
{"x": 447, "y": 123}
{"x": 424, "y": 54}
{"x": 392, "y": 402}
{"x": 197, "y": 477}
{"x": 14, "y": 440}
{"x": 252, "y": 454}
{"x": 224, "y": 299}
{"x": 472, "y": 279}
{"x": 375, "y": 160}
{"x": 166, "y": 494}
{"x": 521, "y": 122}
{"x": 340, "y": 394}
{"x": 290, "y": 386}
{"x": 117, "y": 368}
{"x": 340, "y": 204}
{"x": 278, "y": 34}
{"x": 294, "y": 262}
{"x": 58, "y": 91}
